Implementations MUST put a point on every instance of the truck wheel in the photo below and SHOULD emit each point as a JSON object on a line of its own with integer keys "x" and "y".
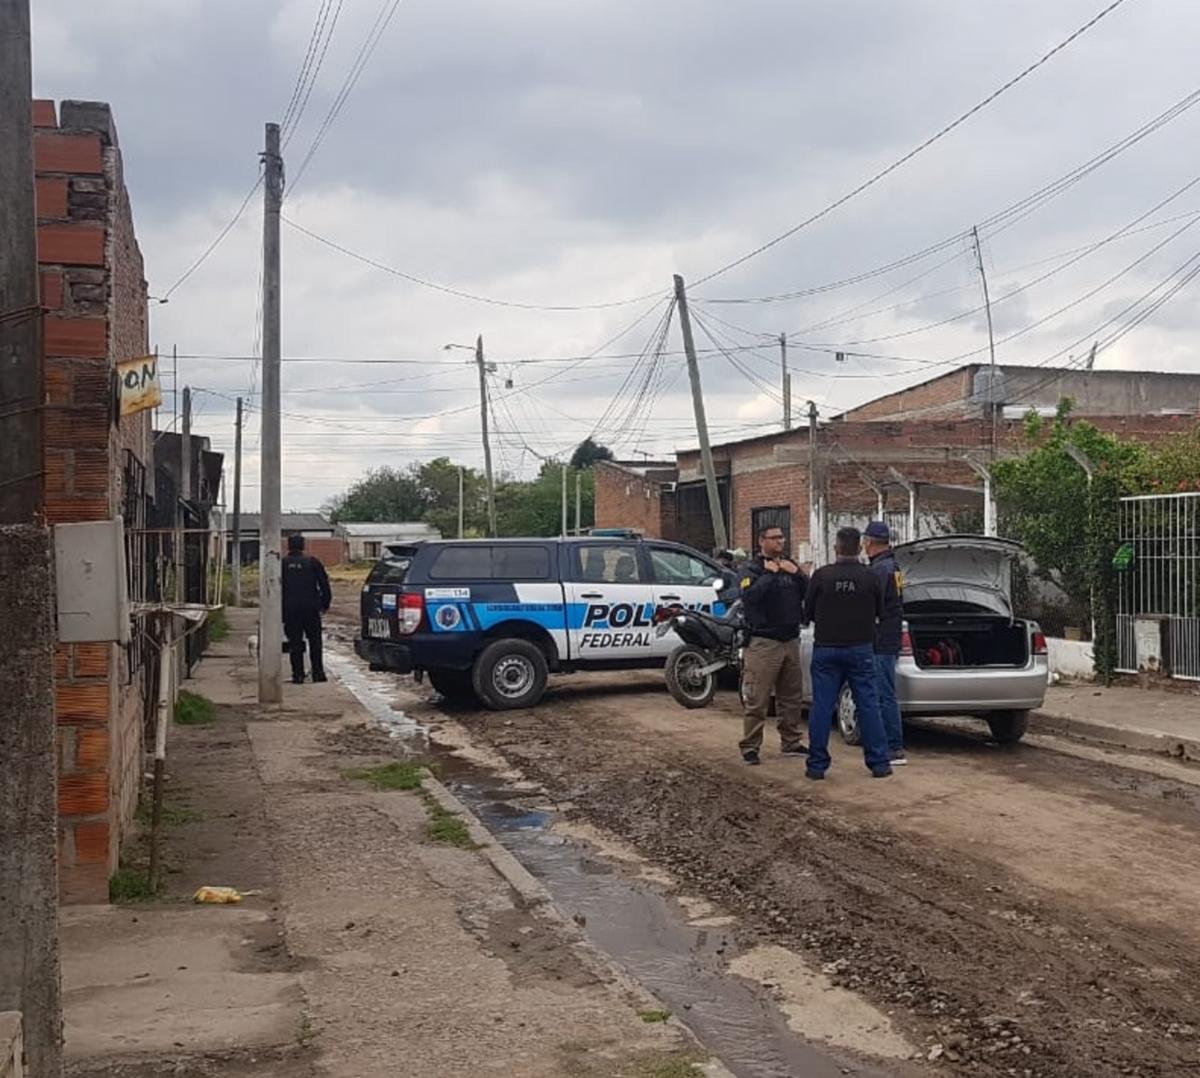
{"x": 685, "y": 683}
{"x": 847, "y": 718}
{"x": 510, "y": 674}
{"x": 1008, "y": 727}
{"x": 453, "y": 685}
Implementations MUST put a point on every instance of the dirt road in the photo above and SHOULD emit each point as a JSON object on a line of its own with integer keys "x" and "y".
{"x": 1018, "y": 910}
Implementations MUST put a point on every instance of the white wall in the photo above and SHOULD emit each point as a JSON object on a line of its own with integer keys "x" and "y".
{"x": 1071, "y": 659}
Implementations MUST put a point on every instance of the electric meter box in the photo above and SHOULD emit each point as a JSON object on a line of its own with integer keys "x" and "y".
{"x": 93, "y": 597}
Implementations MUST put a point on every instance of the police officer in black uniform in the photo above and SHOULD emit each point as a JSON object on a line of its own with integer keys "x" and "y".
{"x": 306, "y": 596}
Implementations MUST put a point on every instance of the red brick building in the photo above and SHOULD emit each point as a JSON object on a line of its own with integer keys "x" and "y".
{"x": 96, "y": 464}
{"x": 863, "y": 459}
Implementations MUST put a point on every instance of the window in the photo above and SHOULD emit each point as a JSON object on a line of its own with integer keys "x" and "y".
{"x": 678, "y": 567}
{"x": 463, "y": 563}
{"x": 771, "y": 516}
{"x": 520, "y": 562}
{"x": 372, "y": 550}
{"x": 608, "y": 563}
{"x": 392, "y": 568}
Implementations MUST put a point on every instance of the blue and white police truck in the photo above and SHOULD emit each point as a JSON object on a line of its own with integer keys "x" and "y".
{"x": 492, "y": 618}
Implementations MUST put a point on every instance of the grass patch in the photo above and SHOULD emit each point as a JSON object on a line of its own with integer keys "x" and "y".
{"x": 192, "y": 709}
{"x": 650, "y": 1017}
{"x": 672, "y": 1067}
{"x": 128, "y": 885}
{"x": 398, "y": 775}
{"x": 218, "y": 627}
{"x": 172, "y": 815}
{"x": 447, "y": 827}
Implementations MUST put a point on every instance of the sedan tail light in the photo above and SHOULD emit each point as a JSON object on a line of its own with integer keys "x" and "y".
{"x": 906, "y": 645}
{"x": 410, "y": 611}
{"x": 1039, "y": 643}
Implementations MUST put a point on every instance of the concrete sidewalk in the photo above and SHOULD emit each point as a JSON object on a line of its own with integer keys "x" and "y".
{"x": 1147, "y": 720}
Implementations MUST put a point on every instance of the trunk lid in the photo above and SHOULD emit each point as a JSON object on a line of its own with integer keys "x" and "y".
{"x": 381, "y": 593}
{"x": 971, "y": 569}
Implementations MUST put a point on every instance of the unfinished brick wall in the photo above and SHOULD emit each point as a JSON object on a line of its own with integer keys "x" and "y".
{"x": 95, "y": 294}
{"x": 943, "y": 396}
{"x": 625, "y": 498}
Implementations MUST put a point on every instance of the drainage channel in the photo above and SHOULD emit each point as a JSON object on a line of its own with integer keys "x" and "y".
{"x": 681, "y": 964}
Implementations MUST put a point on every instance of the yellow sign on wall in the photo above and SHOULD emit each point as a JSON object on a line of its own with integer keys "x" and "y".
{"x": 138, "y": 386}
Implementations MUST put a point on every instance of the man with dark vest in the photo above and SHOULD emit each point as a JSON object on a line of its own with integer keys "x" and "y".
{"x": 877, "y": 543}
{"x": 773, "y": 605}
{"x": 306, "y": 596}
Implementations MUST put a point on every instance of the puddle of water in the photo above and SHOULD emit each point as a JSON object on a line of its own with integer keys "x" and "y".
{"x": 683, "y": 965}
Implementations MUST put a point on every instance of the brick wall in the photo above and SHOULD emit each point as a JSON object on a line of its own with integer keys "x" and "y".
{"x": 627, "y": 499}
{"x": 331, "y": 551}
{"x": 945, "y": 395}
{"x": 95, "y": 292}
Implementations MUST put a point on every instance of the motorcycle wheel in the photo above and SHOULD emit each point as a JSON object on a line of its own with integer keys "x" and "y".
{"x": 685, "y": 683}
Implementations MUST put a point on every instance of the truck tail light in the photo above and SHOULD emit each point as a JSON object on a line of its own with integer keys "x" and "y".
{"x": 1039, "y": 643}
{"x": 410, "y": 611}
{"x": 906, "y": 647}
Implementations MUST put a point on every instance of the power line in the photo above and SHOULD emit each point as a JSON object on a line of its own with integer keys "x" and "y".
{"x": 216, "y": 242}
{"x": 316, "y": 62}
{"x": 884, "y": 172}
{"x": 461, "y": 293}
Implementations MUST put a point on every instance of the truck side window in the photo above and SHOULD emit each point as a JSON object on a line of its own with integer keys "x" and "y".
{"x": 610, "y": 563}
{"x": 520, "y": 562}
{"x": 463, "y": 563}
{"x": 676, "y": 567}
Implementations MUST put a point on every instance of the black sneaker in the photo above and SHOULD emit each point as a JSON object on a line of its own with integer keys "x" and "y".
{"x": 897, "y": 758}
{"x": 751, "y": 758}
{"x": 320, "y": 677}
{"x": 298, "y": 680}
{"x": 881, "y": 772}
{"x": 794, "y": 750}
{"x": 816, "y": 776}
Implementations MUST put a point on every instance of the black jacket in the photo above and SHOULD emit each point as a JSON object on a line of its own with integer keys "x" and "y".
{"x": 887, "y": 635}
{"x": 845, "y": 602}
{"x": 772, "y": 603}
{"x": 305, "y": 585}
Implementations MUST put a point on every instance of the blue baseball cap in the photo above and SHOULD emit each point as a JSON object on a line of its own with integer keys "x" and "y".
{"x": 877, "y": 529}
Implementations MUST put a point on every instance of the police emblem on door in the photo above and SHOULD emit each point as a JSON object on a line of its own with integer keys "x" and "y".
{"x": 448, "y": 617}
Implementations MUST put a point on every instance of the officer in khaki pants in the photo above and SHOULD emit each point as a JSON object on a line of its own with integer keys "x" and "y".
{"x": 773, "y": 588}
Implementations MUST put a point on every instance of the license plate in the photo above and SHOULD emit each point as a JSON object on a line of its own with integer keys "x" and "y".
{"x": 379, "y": 627}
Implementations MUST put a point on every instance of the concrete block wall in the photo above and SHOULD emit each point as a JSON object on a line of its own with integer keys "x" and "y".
{"x": 94, "y": 288}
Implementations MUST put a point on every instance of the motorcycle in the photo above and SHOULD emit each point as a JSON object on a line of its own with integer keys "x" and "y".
{"x": 711, "y": 644}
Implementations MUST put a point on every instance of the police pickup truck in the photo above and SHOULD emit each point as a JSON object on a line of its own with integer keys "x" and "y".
{"x": 491, "y": 619}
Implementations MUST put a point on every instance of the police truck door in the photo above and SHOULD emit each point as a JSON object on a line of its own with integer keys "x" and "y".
{"x": 685, "y": 579}
{"x": 609, "y": 602}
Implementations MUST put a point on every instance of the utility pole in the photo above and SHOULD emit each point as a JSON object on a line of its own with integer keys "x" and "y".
{"x": 787, "y": 383}
{"x": 720, "y": 537}
{"x": 237, "y": 507}
{"x": 29, "y": 969}
{"x": 578, "y": 502}
{"x": 175, "y": 387}
{"x": 270, "y": 622}
{"x": 987, "y": 306}
{"x": 185, "y": 494}
{"x": 564, "y": 501}
{"x": 487, "y": 446}
{"x": 461, "y": 502}
{"x": 814, "y": 490}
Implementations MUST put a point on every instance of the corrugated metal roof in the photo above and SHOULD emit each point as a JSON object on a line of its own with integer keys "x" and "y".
{"x": 289, "y": 522}
{"x": 403, "y": 530}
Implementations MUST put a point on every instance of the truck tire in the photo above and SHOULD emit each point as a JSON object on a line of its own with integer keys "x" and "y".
{"x": 453, "y": 685}
{"x": 1008, "y": 727}
{"x": 510, "y": 674}
{"x": 689, "y": 687}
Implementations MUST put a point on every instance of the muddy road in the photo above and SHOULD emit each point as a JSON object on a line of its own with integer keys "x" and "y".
{"x": 1017, "y": 911}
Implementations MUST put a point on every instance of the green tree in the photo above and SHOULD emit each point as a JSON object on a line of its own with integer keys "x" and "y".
{"x": 383, "y": 494}
{"x": 535, "y": 508}
{"x": 438, "y": 482}
{"x": 588, "y": 452}
{"x": 1171, "y": 466}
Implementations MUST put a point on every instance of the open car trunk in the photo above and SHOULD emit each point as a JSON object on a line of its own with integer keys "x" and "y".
{"x": 958, "y": 602}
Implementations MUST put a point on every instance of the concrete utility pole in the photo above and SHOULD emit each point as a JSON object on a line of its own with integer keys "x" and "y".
{"x": 987, "y": 306}
{"x": 787, "y": 383}
{"x": 184, "y": 494}
{"x": 720, "y": 536}
{"x": 29, "y": 970}
{"x": 487, "y": 445}
{"x": 564, "y": 501}
{"x": 578, "y": 503}
{"x": 816, "y": 541}
{"x": 237, "y": 506}
{"x": 461, "y": 505}
{"x": 270, "y": 618}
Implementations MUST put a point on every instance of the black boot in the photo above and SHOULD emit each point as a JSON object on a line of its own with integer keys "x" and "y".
{"x": 319, "y": 675}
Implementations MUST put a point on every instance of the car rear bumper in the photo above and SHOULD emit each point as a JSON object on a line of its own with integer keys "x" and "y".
{"x": 382, "y": 655}
{"x": 971, "y": 691}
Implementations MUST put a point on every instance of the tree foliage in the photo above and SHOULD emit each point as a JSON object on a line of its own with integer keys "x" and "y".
{"x": 588, "y": 452}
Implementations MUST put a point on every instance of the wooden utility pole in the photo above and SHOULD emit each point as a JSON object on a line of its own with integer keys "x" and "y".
{"x": 237, "y": 506}
{"x": 487, "y": 445}
{"x": 720, "y": 537}
{"x": 29, "y": 968}
{"x": 987, "y": 306}
{"x": 270, "y": 604}
{"x": 787, "y": 383}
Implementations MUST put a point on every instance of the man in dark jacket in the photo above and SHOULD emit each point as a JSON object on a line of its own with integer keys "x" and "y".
{"x": 845, "y": 602}
{"x": 306, "y": 596}
{"x": 772, "y": 589}
{"x": 877, "y": 542}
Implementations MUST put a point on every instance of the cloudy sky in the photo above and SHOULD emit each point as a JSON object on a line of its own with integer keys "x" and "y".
{"x": 578, "y": 153}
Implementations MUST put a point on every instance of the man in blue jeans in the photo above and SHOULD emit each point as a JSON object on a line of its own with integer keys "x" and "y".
{"x": 877, "y": 542}
{"x": 844, "y": 602}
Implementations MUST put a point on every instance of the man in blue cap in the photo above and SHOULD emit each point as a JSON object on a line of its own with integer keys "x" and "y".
{"x": 878, "y": 546}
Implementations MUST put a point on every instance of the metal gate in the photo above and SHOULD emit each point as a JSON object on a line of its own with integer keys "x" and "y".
{"x": 1158, "y": 565}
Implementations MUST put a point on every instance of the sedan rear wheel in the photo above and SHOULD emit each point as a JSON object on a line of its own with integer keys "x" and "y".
{"x": 1008, "y": 727}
